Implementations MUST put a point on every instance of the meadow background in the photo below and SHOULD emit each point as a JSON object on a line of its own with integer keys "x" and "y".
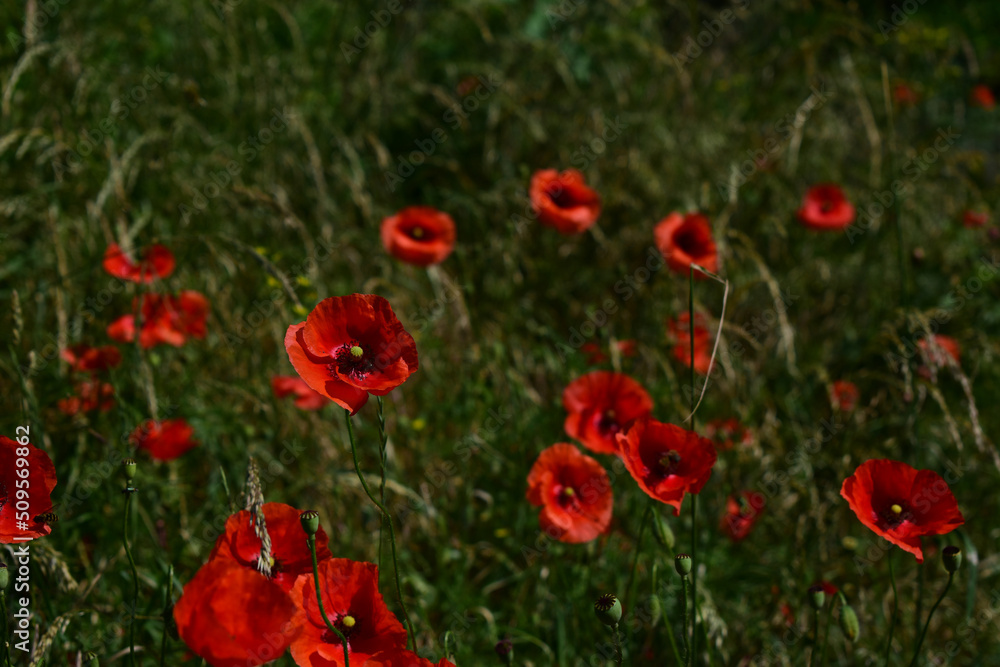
{"x": 118, "y": 120}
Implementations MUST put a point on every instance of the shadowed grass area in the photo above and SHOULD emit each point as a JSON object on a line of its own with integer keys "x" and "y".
{"x": 264, "y": 142}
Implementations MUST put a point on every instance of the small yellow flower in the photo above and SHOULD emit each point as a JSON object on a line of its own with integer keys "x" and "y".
{"x": 419, "y": 424}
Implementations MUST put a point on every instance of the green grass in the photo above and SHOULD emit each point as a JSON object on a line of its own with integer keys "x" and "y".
{"x": 495, "y": 324}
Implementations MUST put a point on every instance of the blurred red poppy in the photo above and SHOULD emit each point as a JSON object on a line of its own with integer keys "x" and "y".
{"x": 844, "y": 395}
{"x": 828, "y": 588}
{"x": 233, "y": 616}
{"x": 419, "y": 235}
{"x": 940, "y": 353}
{"x": 726, "y": 432}
{"x": 904, "y": 95}
{"x": 680, "y": 331}
{"x": 685, "y": 240}
{"x": 666, "y": 461}
{"x": 305, "y": 397}
{"x": 165, "y": 319}
{"x": 165, "y": 440}
{"x": 901, "y": 503}
{"x": 17, "y": 520}
{"x": 353, "y": 604}
{"x": 351, "y": 346}
{"x": 595, "y": 354}
{"x": 981, "y": 96}
{"x": 156, "y": 262}
{"x": 973, "y": 219}
{"x": 84, "y": 358}
{"x": 563, "y": 201}
{"x": 742, "y": 513}
{"x": 90, "y": 395}
{"x": 403, "y": 658}
{"x": 601, "y": 404}
{"x": 826, "y": 208}
{"x": 289, "y": 548}
{"x": 574, "y": 492}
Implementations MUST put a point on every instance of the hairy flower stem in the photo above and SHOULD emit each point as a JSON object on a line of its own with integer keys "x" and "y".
{"x": 168, "y": 607}
{"x": 686, "y": 584}
{"x": 383, "y": 462}
{"x": 826, "y": 634}
{"x": 694, "y": 497}
{"x": 135, "y": 575}
{"x": 388, "y": 521}
{"x": 319, "y": 600}
{"x": 618, "y": 645}
{"x": 895, "y": 607}
{"x": 815, "y": 646}
{"x": 920, "y": 642}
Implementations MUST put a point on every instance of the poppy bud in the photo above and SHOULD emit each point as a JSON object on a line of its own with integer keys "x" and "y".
{"x": 505, "y": 650}
{"x": 310, "y": 522}
{"x": 682, "y": 563}
{"x": 129, "y": 470}
{"x": 664, "y": 535}
{"x": 608, "y": 609}
{"x": 817, "y": 596}
{"x": 91, "y": 659}
{"x": 952, "y": 557}
{"x": 849, "y": 622}
{"x": 4, "y": 577}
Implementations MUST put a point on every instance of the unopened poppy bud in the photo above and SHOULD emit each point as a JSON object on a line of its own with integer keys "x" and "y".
{"x": 91, "y": 659}
{"x": 952, "y": 557}
{"x": 849, "y": 622}
{"x": 310, "y": 521}
{"x": 4, "y": 577}
{"x": 817, "y": 596}
{"x": 664, "y": 535}
{"x": 129, "y": 469}
{"x": 608, "y": 609}
{"x": 682, "y": 563}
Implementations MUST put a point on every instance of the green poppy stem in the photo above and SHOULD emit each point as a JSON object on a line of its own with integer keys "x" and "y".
{"x": 638, "y": 550}
{"x": 916, "y": 653}
{"x": 383, "y": 462}
{"x": 618, "y": 645}
{"x": 168, "y": 607}
{"x": 895, "y": 607}
{"x": 686, "y": 584}
{"x": 135, "y": 575}
{"x": 3, "y": 640}
{"x": 392, "y": 532}
{"x": 694, "y": 497}
{"x": 826, "y": 633}
{"x": 319, "y": 600}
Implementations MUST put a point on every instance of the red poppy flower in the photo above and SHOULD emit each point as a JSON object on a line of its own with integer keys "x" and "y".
{"x": 680, "y": 330}
{"x": 351, "y": 346}
{"x": 90, "y": 395}
{"x": 574, "y": 492}
{"x": 973, "y": 219}
{"x": 904, "y": 95}
{"x": 601, "y": 404}
{"x": 666, "y": 461}
{"x": 938, "y": 354}
{"x": 563, "y": 201}
{"x": 901, "y": 503}
{"x": 741, "y": 514}
{"x": 828, "y": 588}
{"x": 157, "y": 262}
{"x": 24, "y": 509}
{"x": 685, "y": 240}
{"x": 165, "y": 440}
{"x": 305, "y": 397}
{"x": 981, "y": 96}
{"x": 289, "y": 548}
{"x": 844, "y": 395}
{"x": 419, "y": 235}
{"x": 403, "y": 658}
{"x": 84, "y": 358}
{"x": 165, "y": 319}
{"x": 825, "y": 208}
{"x": 725, "y": 432}
{"x": 353, "y": 604}
{"x": 595, "y": 355}
{"x": 233, "y": 616}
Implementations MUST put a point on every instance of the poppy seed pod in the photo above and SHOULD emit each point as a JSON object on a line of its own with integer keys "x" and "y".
{"x": 130, "y": 466}
{"x": 849, "y": 622}
{"x": 664, "y": 535}
{"x": 310, "y": 522}
{"x": 4, "y": 577}
{"x": 817, "y": 596}
{"x": 682, "y": 563}
{"x": 952, "y": 557}
{"x": 608, "y": 609}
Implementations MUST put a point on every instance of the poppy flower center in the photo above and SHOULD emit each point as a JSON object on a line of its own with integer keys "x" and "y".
{"x": 561, "y": 196}
{"x": 352, "y": 360}
{"x": 894, "y": 515}
{"x": 669, "y": 463}
{"x": 688, "y": 240}
{"x": 826, "y": 206}
{"x": 607, "y": 423}
{"x": 347, "y": 624}
{"x": 417, "y": 233}
{"x": 566, "y": 496}
{"x": 3, "y": 495}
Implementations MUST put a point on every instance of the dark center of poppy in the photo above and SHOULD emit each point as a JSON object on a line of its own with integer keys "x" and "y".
{"x": 417, "y": 233}
{"x": 826, "y": 206}
{"x": 669, "y": 463}
{"x": 689, "y": 240}
{"x": 347, "y": 624}
{"x": 352, "y": 360}
{"x": 607, "y": 424}
{"x": 561, "y": 197}
{"x": 894, "y": 515}
{"x": 566, "y": 496}
{"x": 3, "y": 495}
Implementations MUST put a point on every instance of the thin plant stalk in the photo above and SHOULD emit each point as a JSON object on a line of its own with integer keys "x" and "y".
{"x": 920, "y": 642}
{"x": 826, "y": 633}
{"x": 388, "y": 521}
{"x": 319, "y": 600}
{"x": 383, "y": 462}
{"x": 694, "y": 496}
{"x": 685, "y": 585}
{"x": 135, "y": 575}
{"x": 638, "y": 550}
{"x": 167, "y": 606}
{"x": 815, "y": 646}
{"x": 618, "y": 645}
{"x": 3, "y": 640}
{"x": 895, "y": 607}
{"x": 920, "y": 599}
